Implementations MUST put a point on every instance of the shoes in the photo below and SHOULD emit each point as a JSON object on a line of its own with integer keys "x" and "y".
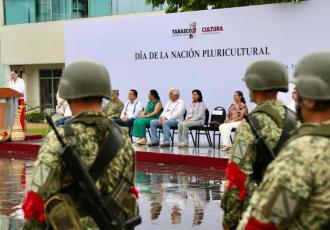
{"x": 225, "y": 149}
{"x": 153, "y": 144}
{"x": 165, "y": 145}
{"x": 141, "y": 142}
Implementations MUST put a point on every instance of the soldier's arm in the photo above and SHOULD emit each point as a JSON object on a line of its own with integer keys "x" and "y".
{"x": 120, "y": 108}
{"x": 286, "y": 183}
{"x": 238, "y": 172}
{"x": 45, "y": 182}
{"x": 105, "y": 109}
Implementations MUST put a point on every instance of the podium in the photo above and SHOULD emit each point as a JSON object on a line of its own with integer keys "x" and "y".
{"x": 8, "y": 106}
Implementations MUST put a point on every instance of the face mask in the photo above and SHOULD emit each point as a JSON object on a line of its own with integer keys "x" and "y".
{"x": 251, "y": 94}
{"x": 299, "y": 104}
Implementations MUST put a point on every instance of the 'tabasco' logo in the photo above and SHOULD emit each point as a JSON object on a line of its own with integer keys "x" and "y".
{"x": 191, "y": 31}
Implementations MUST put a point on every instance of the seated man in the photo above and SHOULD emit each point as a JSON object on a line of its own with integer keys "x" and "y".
{"x": 132, "y": 109}
{"x": 114, "y": 107}
{"x": 169, "y": 118}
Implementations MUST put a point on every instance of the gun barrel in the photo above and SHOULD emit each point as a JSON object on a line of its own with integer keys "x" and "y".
{"x": 52, "y": 125}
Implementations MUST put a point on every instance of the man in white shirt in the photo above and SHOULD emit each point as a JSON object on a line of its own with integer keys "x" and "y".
{"x": 132, "y": 109}
{"x": 294, "y": 101}
{"x": 169, "y": 118}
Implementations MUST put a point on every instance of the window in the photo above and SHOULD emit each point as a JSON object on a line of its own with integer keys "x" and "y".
{"x": 99, "y": 8}
{"x": 52, "y": 10}
{"x": 28, "y": 11}
{"x": 49, "y": 80}
{"x": 19, "y": 11}
{"x": 79, "y": 8}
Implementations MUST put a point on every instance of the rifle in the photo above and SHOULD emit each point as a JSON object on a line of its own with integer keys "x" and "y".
{"x": 326, "y": 226}
{"x": 264, "y": 154}
{"x": 91, "y": 196}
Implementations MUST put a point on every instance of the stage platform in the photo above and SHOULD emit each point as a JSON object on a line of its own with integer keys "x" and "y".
{"x": 204, "y": 157}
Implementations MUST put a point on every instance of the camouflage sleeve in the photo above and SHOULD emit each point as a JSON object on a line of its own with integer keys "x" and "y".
{"x": 114, "y": 110}
{"x": 242, "y": 154}
{"x": 46, "y": 176}
{"x": 288, "y": 181}
{"x": 120, "y": 109}
{"x": 240, "y": 167}
{"x": 105, "y": 109}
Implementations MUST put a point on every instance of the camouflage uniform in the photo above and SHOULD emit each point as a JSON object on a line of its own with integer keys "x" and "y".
{"x": 51, "y": 176}
{"x": 301, "y": 174}
{"x": 53, "y": 180}
{"x": 295, "y": 191}
{"x": 113, "y": 109}
{"x": 243, "y": 154}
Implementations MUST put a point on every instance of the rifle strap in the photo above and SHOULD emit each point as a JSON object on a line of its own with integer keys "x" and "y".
{"x": 108, "y": 151}
{"x": 290, "y": 124}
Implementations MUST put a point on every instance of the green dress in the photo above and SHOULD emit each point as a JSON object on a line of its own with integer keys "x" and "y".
{"x": 140, "y": 124}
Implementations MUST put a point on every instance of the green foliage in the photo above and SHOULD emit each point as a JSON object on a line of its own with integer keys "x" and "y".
{"x": 42, "y": 132}
{"x": 35, "y": 117}
{"x": 192, "y": 5}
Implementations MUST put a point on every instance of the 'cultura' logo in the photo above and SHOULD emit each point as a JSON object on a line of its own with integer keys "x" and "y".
{"x": 212, "y": 29}
{"x": 191, "y": 31}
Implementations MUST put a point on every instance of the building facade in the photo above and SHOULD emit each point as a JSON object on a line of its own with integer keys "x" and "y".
{"x": 32, "y": 38}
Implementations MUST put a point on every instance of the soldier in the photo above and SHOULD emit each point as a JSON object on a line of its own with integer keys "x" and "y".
{"x": 114, "y": 107}
{"x": 264, "y": 80}
{"x": 83, "y": 85}
{"x": 295, "y": 192}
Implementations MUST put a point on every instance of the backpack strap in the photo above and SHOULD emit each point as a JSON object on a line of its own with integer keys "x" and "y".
{"x": 270, "y": 111}
{"x": 312, "y": 130}
{"x": 264, "y": 154}
{"x": 290, "y": 124}
{"x": 108, "y": 151}
{"x": 69, "y": 133}
{"x": 111, "y": 146}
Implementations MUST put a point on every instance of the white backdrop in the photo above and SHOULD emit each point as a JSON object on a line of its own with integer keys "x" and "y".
{"x": 128, "y": 47}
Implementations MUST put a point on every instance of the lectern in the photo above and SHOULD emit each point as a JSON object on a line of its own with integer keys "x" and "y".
{"x": 8, "y": 106}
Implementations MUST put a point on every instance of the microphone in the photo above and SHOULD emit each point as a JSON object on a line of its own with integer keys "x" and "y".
{"x": 5, "y": 82}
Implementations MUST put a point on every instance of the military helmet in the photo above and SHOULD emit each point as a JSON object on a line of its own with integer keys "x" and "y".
{"x": 312, "y": 76}
{"x": 83, "y": 79}
{"x": 267, "y": 75}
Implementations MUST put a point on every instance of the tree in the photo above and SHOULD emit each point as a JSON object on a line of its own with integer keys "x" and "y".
{"x": 191, "y": 5}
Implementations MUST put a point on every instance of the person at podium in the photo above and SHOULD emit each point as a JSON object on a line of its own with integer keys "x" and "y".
{"x": 18, "y": 84}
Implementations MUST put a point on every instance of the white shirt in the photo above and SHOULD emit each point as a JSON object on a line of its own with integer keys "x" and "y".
{"x": 174, "y": 110}
{"x": 18, "y": 85}
{"x": 292, "y": 105}
{"x": 63, "y": 107}
{"x": 196, "y": 111}
{"x": 132, "y": 109}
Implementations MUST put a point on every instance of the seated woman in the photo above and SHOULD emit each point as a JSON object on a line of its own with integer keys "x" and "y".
{"x": 152, "y": 112}
{"x": 235, "y": 114}
{"x": 195, "y": 117}
{"x": 63, "y": 111}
